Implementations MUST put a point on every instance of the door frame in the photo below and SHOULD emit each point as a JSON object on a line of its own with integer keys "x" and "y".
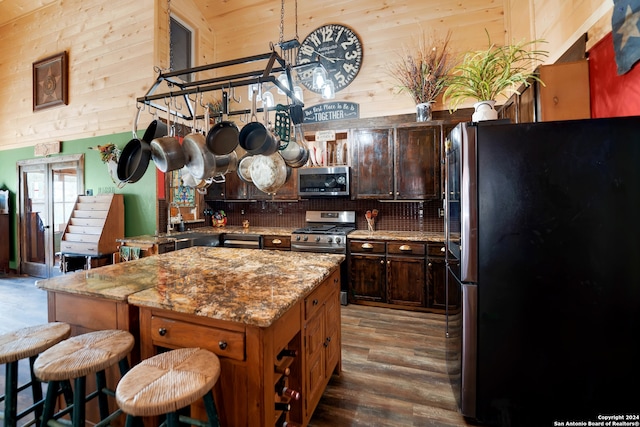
{"x": 48, "y": 162}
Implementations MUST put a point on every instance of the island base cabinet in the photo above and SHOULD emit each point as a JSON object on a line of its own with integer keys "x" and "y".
{"x": 251, "y": 369}
{"x": 321, "y": 341}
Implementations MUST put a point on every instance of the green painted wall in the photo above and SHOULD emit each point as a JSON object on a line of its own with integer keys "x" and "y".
{"x": 139, "y": 198}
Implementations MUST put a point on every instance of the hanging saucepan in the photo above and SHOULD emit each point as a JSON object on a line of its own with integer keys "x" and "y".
{"x": 166, "y": 151}
{"x": 134, "y": 159}
{"x": 295, "y": 155}
{"x": 255, "y": 138}
{"x": 244, "y": 168}
{"x": 156, "y": 129}
{"x": 268, "y": 173}
{"x": 227, "y": 163}
{"x": 199, "y": 160}
{"x": 222, "y": 138}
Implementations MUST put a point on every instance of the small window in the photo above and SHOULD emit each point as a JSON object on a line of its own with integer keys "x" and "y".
{"x": 181, "y": 46}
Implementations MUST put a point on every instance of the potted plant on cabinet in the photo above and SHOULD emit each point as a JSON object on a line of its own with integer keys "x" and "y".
{"x": 423, "y": 72}
{"x": 483, "y": 75}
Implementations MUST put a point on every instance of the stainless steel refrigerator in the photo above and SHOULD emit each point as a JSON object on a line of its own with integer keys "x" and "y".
{"x": 543, "y": 231}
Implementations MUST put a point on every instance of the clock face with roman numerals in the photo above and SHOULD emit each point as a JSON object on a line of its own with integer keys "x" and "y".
{"x": 339, "y": 50}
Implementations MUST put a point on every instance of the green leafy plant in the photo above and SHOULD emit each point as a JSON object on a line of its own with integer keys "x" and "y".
{"x": 485, "y": 74}
{"x": 423, "y": 69}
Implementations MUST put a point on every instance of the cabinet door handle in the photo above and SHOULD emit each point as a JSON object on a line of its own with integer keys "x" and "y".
{"x": 429, "y": 265}
{"x": 162, "y": 331}
{"x": 381, "y": 261}
{"x": 222, "y": 345}
{"x": 367, "y": 246}
{"x": 276, "y": 241}
{"x": 315, "y": 302}
{"x": 405, "y": 248}
{"x": 442, "y": 249}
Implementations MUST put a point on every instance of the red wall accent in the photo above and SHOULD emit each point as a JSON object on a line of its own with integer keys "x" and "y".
{"x": 612, "y": 95}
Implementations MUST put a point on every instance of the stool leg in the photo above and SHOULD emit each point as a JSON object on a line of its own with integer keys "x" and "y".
{"x": 36, "y": 389}
{"x": 210, "y": 406}
{"x": 79, "y": 395}
{"x": 172, "y": 419}
{"x": 49, "y": 403}
{"x": 101, "y": 385}
{"x": 11, "y": 394}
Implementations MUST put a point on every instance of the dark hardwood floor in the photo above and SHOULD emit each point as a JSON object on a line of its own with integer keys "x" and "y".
{"x": 394, "y": 363}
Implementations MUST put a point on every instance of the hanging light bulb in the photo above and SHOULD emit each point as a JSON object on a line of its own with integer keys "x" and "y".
{"x": 319, "y": 77}
{"x": 328, "y": 90}
{"x": 282, "y": 78}
{"x": 267, "y": 100}
{"x": 298, "y": 94}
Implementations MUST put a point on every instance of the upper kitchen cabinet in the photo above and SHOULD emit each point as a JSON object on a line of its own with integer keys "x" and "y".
{"x": 565, "y": 95}
{"x": 373, "y": 164}
{"x": 400, "y": 163}
{"x": 417, "y": 162}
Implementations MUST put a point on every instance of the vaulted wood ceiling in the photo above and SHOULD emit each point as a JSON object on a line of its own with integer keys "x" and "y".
{"x": 12, "y": 9}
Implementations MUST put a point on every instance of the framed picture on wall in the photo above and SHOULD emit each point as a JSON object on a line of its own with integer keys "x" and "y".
{"x": 4, "y": 201}
{"x": 50, "y": 81}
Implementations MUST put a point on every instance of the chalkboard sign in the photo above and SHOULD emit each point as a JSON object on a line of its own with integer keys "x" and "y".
{"x": 330, "y": 111}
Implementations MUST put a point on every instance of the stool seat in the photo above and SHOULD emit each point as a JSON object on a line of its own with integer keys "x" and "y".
{"x": 31, "y": 341}
{"x": 168, "y": 382}
{"x": 83, "y": 354}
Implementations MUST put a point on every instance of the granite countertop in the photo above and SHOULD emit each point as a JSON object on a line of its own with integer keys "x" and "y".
{"x": 411, "y": 236}
{"x": 239, "y": 285}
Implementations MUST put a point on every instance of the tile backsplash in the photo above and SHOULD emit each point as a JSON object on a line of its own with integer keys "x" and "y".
{"x": 400, "y": 216}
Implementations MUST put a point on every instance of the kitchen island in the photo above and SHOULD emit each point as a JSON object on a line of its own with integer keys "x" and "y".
{"x": 246, "y": 306}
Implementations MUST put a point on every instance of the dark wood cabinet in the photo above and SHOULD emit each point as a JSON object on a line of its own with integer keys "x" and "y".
{"x": 5, "y": 245}
{"x": 373, "y": 168}
{"x": 278, "y": 243}
{"x": 367, "y": 271}
{"x": 400, "y": 274}
{"x": 400, "y": 163}
{"x": 417, "y": 162}
{"x": 235, "y": 188}
{"x": 406, "y": 281}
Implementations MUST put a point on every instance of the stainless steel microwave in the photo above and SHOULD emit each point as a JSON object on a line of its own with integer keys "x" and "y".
{"x": 324, "y": 181}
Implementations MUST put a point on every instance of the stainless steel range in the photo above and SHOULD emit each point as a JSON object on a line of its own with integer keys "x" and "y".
{"x": 326, "y": 232}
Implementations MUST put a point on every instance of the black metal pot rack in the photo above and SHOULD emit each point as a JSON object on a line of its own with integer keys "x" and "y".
{"x": 274, "y": 64}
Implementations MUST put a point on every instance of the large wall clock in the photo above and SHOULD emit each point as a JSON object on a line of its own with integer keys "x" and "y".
{"x": 339, "y": 50}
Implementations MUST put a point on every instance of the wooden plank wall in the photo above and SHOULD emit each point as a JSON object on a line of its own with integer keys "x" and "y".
{"x": 113, "y": 47}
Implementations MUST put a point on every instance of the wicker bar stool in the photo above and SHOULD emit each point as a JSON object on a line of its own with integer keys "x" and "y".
{"x": 168, "y": 382}
{"x": 74, "y": 359}
{"x": 21, "y": 344}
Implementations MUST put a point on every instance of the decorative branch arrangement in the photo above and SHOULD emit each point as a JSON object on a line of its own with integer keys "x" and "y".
{"x": 423, "y": 69}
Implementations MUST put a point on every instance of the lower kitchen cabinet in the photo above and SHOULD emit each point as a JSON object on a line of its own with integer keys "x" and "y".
{"x": 367, "y": 271}
{"x": 321, "y": 341}
{"x": 409, "y": 275}
{"x": 279, "y": 243}
{"x": 406, "y": 280}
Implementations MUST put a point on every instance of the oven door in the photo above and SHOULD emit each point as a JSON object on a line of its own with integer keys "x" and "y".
{"x": 324, "y": 249}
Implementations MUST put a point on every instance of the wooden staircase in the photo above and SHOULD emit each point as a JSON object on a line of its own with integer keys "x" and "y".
{"x": 94, "y": 226}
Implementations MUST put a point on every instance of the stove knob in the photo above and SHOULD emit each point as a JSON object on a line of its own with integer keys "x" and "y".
{"x": 318, "y": 239}
{"x": 329, "y": 240}
{"x": 305, "y": 238}
{"x": 298, "y": 238}
{"x": 338, "y": 240}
